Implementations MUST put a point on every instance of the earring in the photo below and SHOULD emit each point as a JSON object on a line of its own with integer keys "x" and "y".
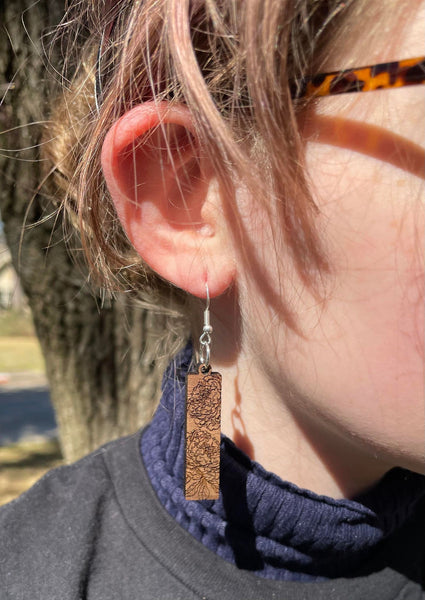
{"x": 203, "y": 423}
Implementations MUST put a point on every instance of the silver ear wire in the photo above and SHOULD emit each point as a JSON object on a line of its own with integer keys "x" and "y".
{"x": 205, "y": 339}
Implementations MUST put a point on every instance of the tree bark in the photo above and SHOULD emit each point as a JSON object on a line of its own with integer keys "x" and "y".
{"x": 99, "y": 355}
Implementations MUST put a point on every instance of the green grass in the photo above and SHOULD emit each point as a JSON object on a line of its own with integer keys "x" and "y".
{"x": 23, "y": 464}
{"x": 20, "y": 354}
{"x": 16, "y": 323}
{"x": 19, "y": 347}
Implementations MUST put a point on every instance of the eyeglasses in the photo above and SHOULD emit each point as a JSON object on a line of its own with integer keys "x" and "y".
{"x": 362, "y": 79}
{"x": 399, "y": 73}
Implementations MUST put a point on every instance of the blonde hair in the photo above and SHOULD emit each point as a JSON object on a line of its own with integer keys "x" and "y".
{"x": 232, "y": 63}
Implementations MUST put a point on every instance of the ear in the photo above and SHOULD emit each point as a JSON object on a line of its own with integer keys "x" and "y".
{"x": 167, "y": 198}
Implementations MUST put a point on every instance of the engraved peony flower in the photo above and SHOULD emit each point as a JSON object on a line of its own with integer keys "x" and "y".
{"x": 205, "y": 403}
{"x": 202, "y": 464}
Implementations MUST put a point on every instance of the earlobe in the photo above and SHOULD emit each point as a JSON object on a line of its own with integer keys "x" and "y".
{"x": 165, "y": 197}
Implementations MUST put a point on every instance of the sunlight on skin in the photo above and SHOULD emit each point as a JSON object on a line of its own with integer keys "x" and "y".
{"x": 334, "y": 409}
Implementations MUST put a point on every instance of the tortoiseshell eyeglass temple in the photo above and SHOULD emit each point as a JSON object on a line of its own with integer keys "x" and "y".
{"x": 362, "y": 79}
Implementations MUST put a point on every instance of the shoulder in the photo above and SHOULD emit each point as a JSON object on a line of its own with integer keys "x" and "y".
{"x": 59, "y": 518}
{"x": 62, "y": 488}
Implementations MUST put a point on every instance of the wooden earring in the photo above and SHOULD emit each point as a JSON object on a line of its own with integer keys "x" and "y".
{"x": 203, "y": 423}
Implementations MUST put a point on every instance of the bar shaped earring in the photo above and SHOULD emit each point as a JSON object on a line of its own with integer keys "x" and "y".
{"x": 203, "y": 423}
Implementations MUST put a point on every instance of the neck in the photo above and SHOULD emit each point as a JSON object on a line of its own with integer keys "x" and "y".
{"x": 266, "y": 525}
{"x": 277, "y": 425}
{"x": 297, "y": 447}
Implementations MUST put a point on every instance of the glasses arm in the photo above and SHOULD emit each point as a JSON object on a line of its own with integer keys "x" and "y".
{"x": 400, "y": 73}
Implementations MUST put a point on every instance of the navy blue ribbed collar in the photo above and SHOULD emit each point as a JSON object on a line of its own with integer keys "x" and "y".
{"x": 263, "y": 523}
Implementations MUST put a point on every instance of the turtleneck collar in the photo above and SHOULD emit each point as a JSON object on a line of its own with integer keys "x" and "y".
{"x": 263, "y": 523}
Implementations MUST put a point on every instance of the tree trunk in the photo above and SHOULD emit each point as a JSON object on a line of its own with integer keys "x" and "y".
{"x": 99, "y": 354}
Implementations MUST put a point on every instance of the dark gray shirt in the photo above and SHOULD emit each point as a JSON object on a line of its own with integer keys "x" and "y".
{"x": 95, "y": 530}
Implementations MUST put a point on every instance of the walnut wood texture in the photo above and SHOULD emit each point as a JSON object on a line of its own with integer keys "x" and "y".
{"x": 203, "y": 425}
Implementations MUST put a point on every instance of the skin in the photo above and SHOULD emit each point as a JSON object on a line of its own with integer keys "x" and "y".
{"x": 337, "y": 404}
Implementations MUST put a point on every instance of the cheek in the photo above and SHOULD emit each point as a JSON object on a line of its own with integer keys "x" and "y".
{"x": 358, "y": 367}
{"x": 368, "y": 343}
{"x": 379, "y": 277}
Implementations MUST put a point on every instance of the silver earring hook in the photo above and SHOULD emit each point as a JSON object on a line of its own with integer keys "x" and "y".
{"x": 205, "y": 339}
{"x": 208, "y": 297}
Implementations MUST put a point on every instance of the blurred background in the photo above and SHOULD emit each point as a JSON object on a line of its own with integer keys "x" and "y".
{"x": 78, "y": 366}
{"x": 28, "y": 433}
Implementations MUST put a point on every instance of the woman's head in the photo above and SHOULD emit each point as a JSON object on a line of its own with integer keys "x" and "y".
{"x": 306, "y": 213}
{"x": 232, "y": 64}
